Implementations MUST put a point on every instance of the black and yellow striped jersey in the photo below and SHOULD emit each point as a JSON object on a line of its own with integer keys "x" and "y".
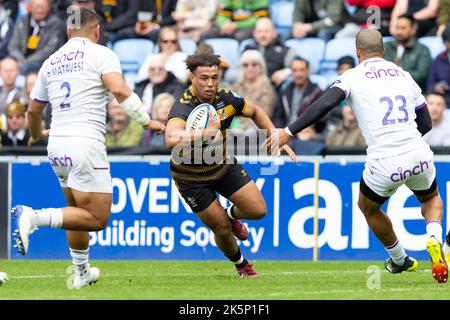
{"x": 227, "y": 104}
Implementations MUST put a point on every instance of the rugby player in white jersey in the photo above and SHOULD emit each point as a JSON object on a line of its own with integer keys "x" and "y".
{"x": 393, "y": 116}
{"x": 75, "y": 80}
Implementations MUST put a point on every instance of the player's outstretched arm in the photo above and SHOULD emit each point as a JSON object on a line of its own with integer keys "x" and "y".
{"x": 34, "y": 119}
{"x": 316, "y": 111}
{"x": 262, "y": 121}
{"x": 130, "y": 101}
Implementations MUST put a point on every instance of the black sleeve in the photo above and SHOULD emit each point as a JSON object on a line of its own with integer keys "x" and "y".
{"x": 318, "y": 109}
{"x": 179, "y": 111}
{"x": 238, "y": 103}
{"x": 423, "y": 120}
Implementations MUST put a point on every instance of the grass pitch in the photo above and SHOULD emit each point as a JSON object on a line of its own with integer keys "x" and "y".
{"x": 217, "y": 280}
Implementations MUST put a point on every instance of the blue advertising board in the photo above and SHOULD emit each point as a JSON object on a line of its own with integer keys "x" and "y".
{"x": 149, "y": 219}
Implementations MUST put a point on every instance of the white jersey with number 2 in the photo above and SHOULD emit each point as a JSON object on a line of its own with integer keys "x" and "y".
{"x": 384, "y": 99}
{"x": 70, "y": 80}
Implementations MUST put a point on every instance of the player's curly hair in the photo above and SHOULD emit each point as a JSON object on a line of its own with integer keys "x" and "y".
{"x": 203, "y": 60}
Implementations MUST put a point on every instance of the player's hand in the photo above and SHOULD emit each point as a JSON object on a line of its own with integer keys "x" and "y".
{"x": 155, "y": 126}
{"x": 43, "y": 135}
{"x": 290, "y": 153}
{"x": 277, "y": 139}
{"x": 213, "y": 123}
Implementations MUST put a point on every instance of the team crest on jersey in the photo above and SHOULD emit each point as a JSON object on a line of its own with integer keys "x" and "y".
{"x": 236, "y": 95}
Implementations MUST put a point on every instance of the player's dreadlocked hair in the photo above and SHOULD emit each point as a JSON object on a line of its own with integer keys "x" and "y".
{"x": 203, "y": 60}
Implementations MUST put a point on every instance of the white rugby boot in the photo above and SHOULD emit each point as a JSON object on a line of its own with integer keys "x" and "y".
{"x": 24, "y": 227}
{"x": 85, "y": 276}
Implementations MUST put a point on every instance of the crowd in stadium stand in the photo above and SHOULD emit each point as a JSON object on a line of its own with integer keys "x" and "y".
{"x": 280, "y": 54}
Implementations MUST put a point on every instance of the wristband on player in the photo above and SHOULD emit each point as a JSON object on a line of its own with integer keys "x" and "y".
{"x": 288, "y": 131}
{"x": 133, "y": 106}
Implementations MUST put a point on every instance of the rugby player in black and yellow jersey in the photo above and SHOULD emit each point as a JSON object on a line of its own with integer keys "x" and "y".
{"x": 198, "y": 181}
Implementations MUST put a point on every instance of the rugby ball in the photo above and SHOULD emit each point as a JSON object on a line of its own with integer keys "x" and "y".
{"x": 199, "y": 117}
{"x": 3, "y": 277}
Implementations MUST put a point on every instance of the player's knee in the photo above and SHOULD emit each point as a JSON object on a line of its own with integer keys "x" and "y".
{"x": 260, "y": 211}
{"x": 221, "y": 230}
{"x": 99, "y": 223}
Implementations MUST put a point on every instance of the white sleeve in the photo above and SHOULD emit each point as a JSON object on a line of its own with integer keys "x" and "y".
{"x": 109, "y": 62}
{"x": 39, "y": 91}
{"x": 343, "y": 83}
{"x": 419, "y": 99}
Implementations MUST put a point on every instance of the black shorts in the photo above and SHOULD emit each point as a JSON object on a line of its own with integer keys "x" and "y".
{"x": 199, "y": 196}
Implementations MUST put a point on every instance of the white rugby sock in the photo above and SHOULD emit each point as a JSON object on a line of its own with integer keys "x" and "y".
{"x": 49, "y": 217}
{"x": 229, "y": 212}
{"x": 434, "y": 229}
{"x": 80, "y": 258}
{"x": 397, "y": 253}
{"x": 446, "y": 248}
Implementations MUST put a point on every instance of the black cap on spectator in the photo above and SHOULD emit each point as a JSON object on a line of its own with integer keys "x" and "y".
{"x": 83, "y": 1}
{"x": 346, "y": 60}
{"x": 446, "y": 34}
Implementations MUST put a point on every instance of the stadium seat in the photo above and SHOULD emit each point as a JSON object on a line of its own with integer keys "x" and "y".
{"x": 245, "y": 43}
{"x": 132, "y": 53}
{"x": 282, "y": 15}
{"x": 130, "y": 79}
{"x": 322, "y": 81}
{"x": 434, "y": 44}
{"x": 188, "y": 46}
{"x": 312, "y": 49}
{"x": 388, "y": 39}
{"x": 335, "y": 49}
{"x": 227, "y": 48}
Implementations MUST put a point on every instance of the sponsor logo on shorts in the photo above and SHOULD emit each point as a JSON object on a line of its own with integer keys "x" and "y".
{"x": 63, "y": 161}
{"x": 192, "y": 202}
{"x": 405, "y": 174}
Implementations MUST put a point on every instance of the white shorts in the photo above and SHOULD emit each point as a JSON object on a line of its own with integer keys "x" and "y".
{"x": 415, "y": 169}
{"x": 80, "y": 163}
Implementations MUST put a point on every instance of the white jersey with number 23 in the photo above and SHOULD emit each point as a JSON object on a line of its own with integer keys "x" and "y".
{"x": 384, "y": 99}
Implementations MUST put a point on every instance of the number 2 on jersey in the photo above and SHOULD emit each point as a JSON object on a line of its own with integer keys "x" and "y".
{"x": 63, "y": 105}
{"x": 402, "y": 108}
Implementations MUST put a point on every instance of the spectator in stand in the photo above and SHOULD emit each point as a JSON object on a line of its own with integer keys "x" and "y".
{"x": 296, "y": 95}
{"x": 363, "y": 18}
{"x": 277, "y": 56}
{"x": 9, "y": 71}
{"x": 308, "y": 142}
{"x": 237, "y": 18}
{"x": 160, "y": 111}
{"x": 439, "y": 76}
{"x": 321, "y": 18}
{"x": 424, "y": 12}
{"x": 439, "y": 135}
{"x": 194, "y": 17}
{"x": 253, "y": 84}
{"x": 12, "y": 8}
{"x": 334, "y": 117}
{"x": 6, "y": 30}
{"x": 443, "y": 19}
{"x": 30, "y": 79}
{"x": 121, "y": 130}
{"x": 117, "y": 15}
{"x": 158, "y": 80}
{"x": 17, "y": 133}
{"x": 150, "y": 17}
{"x": 169, "y": 48}
{"x": 36, "y": 36}
{"x": 407, "y": 53}
{"x": 347, "y": 133}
